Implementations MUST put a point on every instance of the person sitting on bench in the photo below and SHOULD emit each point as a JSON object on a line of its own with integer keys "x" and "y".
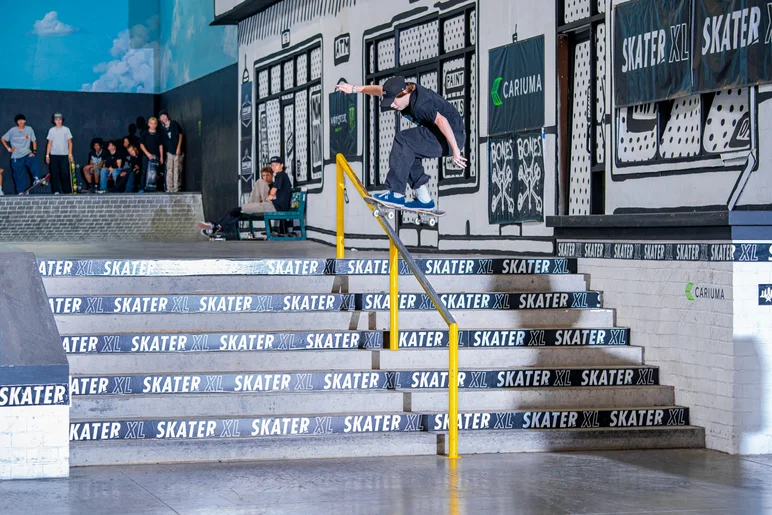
{"x": 269, "y": 194}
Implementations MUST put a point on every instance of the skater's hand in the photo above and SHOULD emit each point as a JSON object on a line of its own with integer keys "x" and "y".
{"x": 48, "y": 160}
{"x": 161, "y": 161}
{"x": 458, "y": 159}
{"x": 70, "y": 158}
{"x": 346, "y": 88}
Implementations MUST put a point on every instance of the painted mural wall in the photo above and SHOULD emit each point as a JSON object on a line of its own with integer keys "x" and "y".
{"x": 120, "y": 46}
{"x": 292, "y": 55}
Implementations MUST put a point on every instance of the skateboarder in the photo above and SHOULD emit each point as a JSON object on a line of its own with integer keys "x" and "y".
{"x": 440, "y": 132}
{"x": 59, "y": 155}
{"x": 21, "y": 143}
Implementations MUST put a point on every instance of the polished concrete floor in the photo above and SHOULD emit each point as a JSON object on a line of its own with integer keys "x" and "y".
{"x": 685, "y": 482}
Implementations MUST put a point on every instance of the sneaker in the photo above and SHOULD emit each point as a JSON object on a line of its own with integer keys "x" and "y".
{"x": 389, "y": 198}
{"x": 56, "y": 193}
{"x": 101, "y": 191}
{"x": 207, "y": 233}
{"x": 417, "y": 204}
{"x": 206, "y": 225}
{"x": 2, "y": 193}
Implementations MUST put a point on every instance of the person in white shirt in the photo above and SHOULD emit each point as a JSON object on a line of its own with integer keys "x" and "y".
{"x": 59, "y": 155}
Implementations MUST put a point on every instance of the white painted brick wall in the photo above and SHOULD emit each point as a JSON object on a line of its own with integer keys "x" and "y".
{"x": 34, "y": 442}
{"x": 691, "y": 341}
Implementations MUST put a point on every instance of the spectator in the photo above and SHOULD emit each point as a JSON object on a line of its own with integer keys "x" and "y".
{"x": 59, "y": 155}
{"x": 92, "y": 171}
{"x": 20, "y": 141}
{"x": 263, "y": 186}
{"x": 1, "y": 182}
{"x": 124, "y": 150}
{"x": 152, "y": 147}
{"x": 278, "y": 199}
{"x": 174, "y": 156}
{"x": 111, "y": 167}
{"x": 127, "y": 177}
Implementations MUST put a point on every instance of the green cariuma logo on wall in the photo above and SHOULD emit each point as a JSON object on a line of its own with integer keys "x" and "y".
{"x": 495, "y": 91}
{"x": 352, "y": 118}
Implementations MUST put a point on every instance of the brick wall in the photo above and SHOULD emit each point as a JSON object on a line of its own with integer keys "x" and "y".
{"x": 88, "y": 217}
{"x": 692, "y": 341}
{"x": 34, "y": 442}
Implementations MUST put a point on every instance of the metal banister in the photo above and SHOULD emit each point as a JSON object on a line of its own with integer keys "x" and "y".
{"x": 397, "y": 248}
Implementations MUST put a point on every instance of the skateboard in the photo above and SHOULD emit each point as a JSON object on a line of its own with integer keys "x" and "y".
{"x": 73, "y": 177}
{"x": 152, "y": 175}
{"x": 425, "y": 216}
{"x": 42, "y": 181}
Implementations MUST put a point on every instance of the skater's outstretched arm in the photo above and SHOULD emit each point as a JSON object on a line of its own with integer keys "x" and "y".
{"x": 375, "y": 91}
{"x": 442, "y": 123}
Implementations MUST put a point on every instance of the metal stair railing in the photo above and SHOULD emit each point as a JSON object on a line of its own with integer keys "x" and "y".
{"x": 397, "y": 248}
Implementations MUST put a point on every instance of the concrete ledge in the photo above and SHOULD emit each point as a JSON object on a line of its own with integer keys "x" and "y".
{"x": 109, "y": 217}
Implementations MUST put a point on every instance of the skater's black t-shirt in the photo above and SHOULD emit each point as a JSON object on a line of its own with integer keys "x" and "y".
{"x": 424, "y": 106}
{"x": 171, "y": 136}
{"x": 131, "y": 162}
{"x": 111, "y": 161}
{"x": 152, "y": 142}
{"x": 283, "y": 191}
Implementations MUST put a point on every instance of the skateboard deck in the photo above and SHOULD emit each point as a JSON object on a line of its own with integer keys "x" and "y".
{"x": 152, "y": 175}
{"x": 42, "y": 181}
{"x": 73, "y": 177}
{"x": 428, "y": 216}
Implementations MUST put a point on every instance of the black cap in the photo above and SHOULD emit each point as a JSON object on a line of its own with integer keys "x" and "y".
{"x": 393, "y": 87}
{"x": 276, "y": 159}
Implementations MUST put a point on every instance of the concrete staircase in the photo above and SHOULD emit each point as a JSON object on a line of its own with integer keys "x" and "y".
{"x": 210, "y": 360}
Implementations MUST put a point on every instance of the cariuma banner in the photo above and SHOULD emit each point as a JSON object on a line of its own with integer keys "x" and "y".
{"x": 516, "y": 76}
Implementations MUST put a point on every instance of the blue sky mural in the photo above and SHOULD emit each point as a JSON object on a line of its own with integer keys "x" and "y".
{"x": 128, "y": 46}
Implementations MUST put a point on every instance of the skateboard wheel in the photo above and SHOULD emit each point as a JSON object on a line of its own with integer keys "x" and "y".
{"x": 376, "y": 213}
{"x": 391, "y": 215}
{"x": 432, "y": 222}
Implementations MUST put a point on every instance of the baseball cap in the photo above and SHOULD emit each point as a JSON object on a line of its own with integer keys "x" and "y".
{"x": 58, "y": 115}
{"x": 391, "y": 88}
{"x": 276, "y": 159}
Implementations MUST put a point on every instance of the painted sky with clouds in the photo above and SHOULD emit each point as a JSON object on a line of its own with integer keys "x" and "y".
{"x": 128, "y": 46}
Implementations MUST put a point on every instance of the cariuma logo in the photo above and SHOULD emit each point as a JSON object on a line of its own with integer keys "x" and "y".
{"x": 495, "y": 91}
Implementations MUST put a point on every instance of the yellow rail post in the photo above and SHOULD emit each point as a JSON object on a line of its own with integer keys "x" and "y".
{"x": 453, "y": 392}
{"x": 393, "y": 296}
{"x": 340, "y": 178}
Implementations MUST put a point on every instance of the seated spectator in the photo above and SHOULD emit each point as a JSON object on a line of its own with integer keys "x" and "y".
{"x": 124, "y": 150}
{"x": 111, "y": 166}
{"x": 130, "y": 172}
{"x": 1, "y": 183}
{"x": 265, "y": 192}
{"x": 92, "y": 171}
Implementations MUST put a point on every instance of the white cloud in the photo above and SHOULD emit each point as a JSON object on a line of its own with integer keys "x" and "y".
{"x": 51, "y": 26}
{"x": 176, "y": 21}
{"x": 134, "y": 68}
{"x": 230, "y": 41}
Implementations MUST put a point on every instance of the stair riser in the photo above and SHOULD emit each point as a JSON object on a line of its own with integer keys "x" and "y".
{"x": 235, "y": 405}
{"x": 543, "y": 398}
{"x": 96, "y": 286}
{"x": 228, "y": 322}
{"x": 330, "y": 446}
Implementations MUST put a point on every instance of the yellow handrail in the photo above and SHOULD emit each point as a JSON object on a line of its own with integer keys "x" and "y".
{"x": 397, "y": 248}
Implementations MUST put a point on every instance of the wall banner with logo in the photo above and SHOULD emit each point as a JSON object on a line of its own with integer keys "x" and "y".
{"x": 343, "y": 124}
{"x": 652, "y": 49}
{"x": 502, "y": 186}
{"x": 516, "y": 86}
{"x": 529, "y": 148}
{"x": 245, "y": 147}
{"x": 732, "y": 43}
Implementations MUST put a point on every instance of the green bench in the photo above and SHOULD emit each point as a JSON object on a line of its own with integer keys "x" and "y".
{"x": 297, "y": 212}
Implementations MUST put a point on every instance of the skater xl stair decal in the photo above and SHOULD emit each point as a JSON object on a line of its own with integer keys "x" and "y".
{"x": 277, "y": 303}
{"x": 189, "y": 429}
{"x": 321, "y": 340}
{"x": 301, "y": 267}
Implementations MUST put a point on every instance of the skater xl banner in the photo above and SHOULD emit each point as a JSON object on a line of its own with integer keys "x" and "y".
{"x": 652, "y": 40}
{"x": 516, "y": 77}
{"x": 343, "y": 124}
{"x": 732, "y": 43}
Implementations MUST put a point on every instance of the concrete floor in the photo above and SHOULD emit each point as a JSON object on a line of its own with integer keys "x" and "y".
{"x": 688, "y": 481}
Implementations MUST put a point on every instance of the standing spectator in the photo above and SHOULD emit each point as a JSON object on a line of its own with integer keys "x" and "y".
{"x": 59, "y": 155}
{"x": 20, "y": 141}
{"x": 111, "y": 167}
{"x": 152, "y": 146}
{"x": 129, "y": 173}
{"x": 92, "y": 171}
{"x": 174, "y": 156}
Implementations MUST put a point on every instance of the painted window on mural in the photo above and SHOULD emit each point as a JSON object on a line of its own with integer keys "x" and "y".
{"x": 582, "y": 26}
{"x": 289, "y": 107}
{"x": 439, "y": 53}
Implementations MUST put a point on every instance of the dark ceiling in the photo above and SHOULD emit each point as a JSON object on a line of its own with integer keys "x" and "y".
{"x": 243, "y": 11}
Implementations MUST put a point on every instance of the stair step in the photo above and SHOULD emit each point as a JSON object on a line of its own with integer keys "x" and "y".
{"x": 318, "y": 340}
{"x": 312, "y": 302}
{"x": 517, "y": 357}
{"x": 227, "y": 322}
{"x": 119, "y": 452}
{"x": 298, "y": 267}
{"x": 599, "y": 439}
{"x": 96, "y": 286}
